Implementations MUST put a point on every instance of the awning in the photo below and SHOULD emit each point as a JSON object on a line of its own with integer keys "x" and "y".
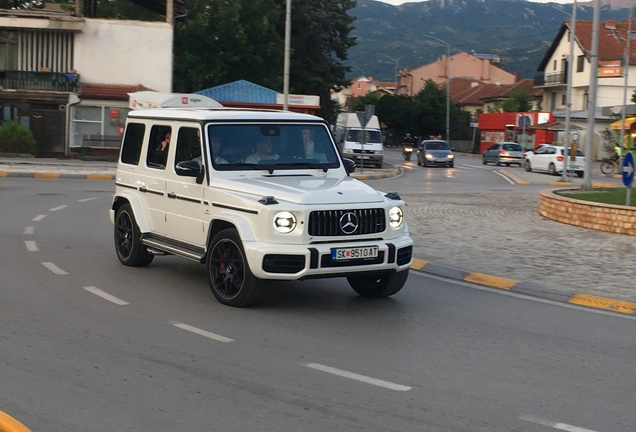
{"x": 628, "y": 122}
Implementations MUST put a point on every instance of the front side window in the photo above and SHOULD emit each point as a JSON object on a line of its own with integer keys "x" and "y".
{"x": 271, "y": 146}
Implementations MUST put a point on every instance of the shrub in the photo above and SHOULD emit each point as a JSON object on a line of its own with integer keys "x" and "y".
{"x": 15, "y": 138}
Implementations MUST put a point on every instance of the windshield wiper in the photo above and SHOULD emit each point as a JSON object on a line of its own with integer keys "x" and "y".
{"x": 312, "y": 165}
{"x": 267, "y": 167}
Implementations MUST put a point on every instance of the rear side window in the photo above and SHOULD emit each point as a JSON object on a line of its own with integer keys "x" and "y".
{"x": 159, "y": 146}
{"x": 133, "y": 140}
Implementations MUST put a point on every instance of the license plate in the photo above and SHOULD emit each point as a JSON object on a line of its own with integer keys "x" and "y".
{"x": 343, "y": 254}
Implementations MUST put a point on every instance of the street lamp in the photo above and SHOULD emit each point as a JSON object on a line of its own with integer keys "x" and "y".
{"x": 447, "y": 84}
{"x": 397, "y": 84}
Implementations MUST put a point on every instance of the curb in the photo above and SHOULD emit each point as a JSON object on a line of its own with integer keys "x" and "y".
{"x": 50, "y": 175}
{"x": 394, "y": 173}
{"x": 525, "y": 288}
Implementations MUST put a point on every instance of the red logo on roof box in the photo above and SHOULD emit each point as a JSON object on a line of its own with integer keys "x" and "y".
{"x": 184, "y": 100}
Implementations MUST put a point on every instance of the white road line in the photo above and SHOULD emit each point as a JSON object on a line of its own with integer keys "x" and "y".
{"x": 203, "y": 333}
{"x": 105, "y": 295}
{"x": 55, "y": 269}
{"x": 31, "y": 246}
{"x": 555, "y": 425}
{"x": 29, "y": 230}
{"x": 357, "y": 377}
{"x": 38, "y": 218}
{"x": 86, "y": 199}
{"x": 58, "y": 208}
{"x": 507, "y": 179}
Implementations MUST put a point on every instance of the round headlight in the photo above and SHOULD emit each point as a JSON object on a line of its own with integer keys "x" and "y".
{"x": 395, "y": 217}
{"x": 285, "y": 222}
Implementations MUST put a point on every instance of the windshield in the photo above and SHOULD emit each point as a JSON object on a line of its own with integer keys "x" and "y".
{"x": 270, "y": 146}
{"x": 437, "y": 145}
{"x": 372, "y": 136}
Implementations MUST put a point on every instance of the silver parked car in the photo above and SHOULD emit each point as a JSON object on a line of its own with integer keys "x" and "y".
{"x": 503, "y": 153}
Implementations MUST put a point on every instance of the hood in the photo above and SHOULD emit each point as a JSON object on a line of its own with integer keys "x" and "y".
{"x": 307, "y": 189}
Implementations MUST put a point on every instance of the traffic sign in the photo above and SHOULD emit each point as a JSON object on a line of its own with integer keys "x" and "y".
{"x": 628, "y": 169}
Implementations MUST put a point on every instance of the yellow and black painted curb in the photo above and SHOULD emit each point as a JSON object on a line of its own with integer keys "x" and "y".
{"x": 619, "y": 306}
{"x": 9, "y": 424}
{"x": 54, "y": 175}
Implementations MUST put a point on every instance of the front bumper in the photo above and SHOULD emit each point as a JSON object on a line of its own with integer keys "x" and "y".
{"x": 294, "y": 262}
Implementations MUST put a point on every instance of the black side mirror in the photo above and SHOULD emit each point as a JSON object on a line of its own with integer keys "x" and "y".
{"x": 189, "y": 168}
{"x": 350, "y": 165}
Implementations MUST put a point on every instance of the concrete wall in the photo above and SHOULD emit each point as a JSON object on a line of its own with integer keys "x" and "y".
{"x": 125, "y": 52}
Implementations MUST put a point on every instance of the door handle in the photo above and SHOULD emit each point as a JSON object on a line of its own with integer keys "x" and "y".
{"x": 172, "y": 195}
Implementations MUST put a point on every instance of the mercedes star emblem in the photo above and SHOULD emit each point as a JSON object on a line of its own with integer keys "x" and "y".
{"x": 349, "y": 223}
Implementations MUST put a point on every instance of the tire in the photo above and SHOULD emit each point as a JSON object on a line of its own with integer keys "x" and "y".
{"x": 607, "y": 167}
{"x": 527, "y": 166}
{"x": 507, "y": 164}
{"x": 419, "y": 162}
{"x": 378, "y": 286}
{"x": 231, "y": 280}
{"x": 451, "y": 165}
{"x": 498, "y": 163}
{"x": 127, "y": 237}
{"x": 552, "y": 169}
{"x": 580, "y": 174}
{"x": 483, "y": 160}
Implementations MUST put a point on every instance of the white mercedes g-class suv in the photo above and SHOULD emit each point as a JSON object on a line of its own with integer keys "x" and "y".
{"x": 257, "y": 196}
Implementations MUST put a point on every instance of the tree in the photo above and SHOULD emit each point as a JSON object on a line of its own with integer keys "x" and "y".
{"x": 430, "y": 110}
{"x": 319, "y": 43}
{"x": 519, "y": 101}
{"x": 226, "y": 41}
{"x": 369, "y": 99}
{"x": 397, "y": 113}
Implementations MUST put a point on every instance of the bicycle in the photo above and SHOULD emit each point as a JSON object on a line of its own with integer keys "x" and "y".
{"x": 610, "y": 166}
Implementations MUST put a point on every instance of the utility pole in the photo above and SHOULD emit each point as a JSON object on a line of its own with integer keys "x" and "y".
{"x": 626, "y": 72}
{"x": 591, "y": 112}
{"x": 286, "y": 62}
{"x": 568, "y": 97}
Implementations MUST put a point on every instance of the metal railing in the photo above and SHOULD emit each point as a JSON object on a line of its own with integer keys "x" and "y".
{"x": 28, "y": 80}
{"x": 556, "y": 78}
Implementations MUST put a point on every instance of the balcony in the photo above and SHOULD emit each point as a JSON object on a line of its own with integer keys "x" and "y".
{"x": 47, "y": 81}
{"x": 551, "y": 79}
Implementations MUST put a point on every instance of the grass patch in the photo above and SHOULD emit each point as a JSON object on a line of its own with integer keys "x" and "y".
{"x": 614, "y": 196}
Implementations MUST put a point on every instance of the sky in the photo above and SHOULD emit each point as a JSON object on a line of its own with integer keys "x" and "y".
{"x": 399, "y": 2}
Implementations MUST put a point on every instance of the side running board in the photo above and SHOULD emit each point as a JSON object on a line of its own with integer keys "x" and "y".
{"x": 158, "y": 244}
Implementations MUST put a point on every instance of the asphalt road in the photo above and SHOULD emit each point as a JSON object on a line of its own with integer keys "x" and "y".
{"x": 89, "y": 344}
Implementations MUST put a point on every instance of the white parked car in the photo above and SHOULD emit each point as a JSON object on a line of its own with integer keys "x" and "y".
{"x": 256, "y": 196}
{"x": 549, "y": 158}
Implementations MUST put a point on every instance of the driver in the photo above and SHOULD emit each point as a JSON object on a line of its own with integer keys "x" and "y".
{"x": 263, "y": 152}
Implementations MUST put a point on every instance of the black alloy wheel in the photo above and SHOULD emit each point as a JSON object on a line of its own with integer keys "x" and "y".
{"x": 128, "y": 245}
{"x": 230, "y": 278}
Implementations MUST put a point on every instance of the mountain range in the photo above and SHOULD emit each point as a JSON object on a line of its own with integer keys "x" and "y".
{"x": 518, "y": 31}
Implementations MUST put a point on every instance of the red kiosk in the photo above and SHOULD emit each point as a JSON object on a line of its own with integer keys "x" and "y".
{"x": 521, "y": 127}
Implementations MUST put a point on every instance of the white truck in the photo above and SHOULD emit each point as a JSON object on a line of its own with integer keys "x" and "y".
{"x": 350, "y": 141}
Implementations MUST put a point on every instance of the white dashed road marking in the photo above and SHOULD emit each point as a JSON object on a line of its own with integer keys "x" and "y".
{"x": 86, "y": 199}
{"x": 204, "y": 333}
{"x": 58, "y": 208}
{"x": 55, "y": 269}
{"x": 29, "y": 230}
{"x": 357, "y": 377}
{"x": 38, "y": 218}
{"x": 555, "y": 425}
{"x": 105, "y": 295}
{"x": 31, "y": 246}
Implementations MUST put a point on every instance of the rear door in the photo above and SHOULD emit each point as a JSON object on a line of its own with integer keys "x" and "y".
{"x": 186, "y": 209}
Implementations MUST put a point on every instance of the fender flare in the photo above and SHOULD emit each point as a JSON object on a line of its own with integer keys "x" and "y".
{"x": 137, "y": 209}
{"x": 242, "y": 225}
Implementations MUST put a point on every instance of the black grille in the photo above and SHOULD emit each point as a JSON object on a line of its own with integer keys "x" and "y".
{"x": 283, "y": 263}
{"x": 404, "y": 255}
{"x": 327, "y": 222}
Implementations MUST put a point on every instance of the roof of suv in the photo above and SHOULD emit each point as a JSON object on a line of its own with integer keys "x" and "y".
{"x": 229, "y": 114}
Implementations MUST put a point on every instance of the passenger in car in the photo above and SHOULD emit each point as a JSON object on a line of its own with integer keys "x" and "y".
{"x": 263, "y": 152}
{"x": 216, "y": 151}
